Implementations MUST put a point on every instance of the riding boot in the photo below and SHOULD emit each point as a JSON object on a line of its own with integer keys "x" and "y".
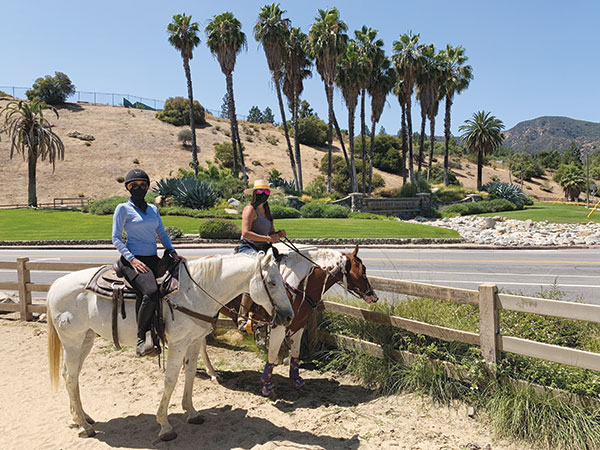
{"x": 145, "y": 343}
{"x": 242, "y": 320}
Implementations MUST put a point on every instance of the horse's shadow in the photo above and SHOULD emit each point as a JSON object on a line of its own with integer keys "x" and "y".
{"x": 224, "y": 427}
{"x": 316, "y": 392}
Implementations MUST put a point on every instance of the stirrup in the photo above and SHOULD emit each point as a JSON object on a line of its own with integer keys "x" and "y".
{"x": 147, "y": 347}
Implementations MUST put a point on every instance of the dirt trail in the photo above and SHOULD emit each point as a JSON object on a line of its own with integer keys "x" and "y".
{"x": 122, "y": 394}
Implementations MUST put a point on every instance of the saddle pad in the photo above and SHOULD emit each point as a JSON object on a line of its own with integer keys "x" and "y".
{"x": 105, "y": 279}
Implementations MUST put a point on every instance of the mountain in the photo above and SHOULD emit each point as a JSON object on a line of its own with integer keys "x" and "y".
{"x": 552, "y": 132}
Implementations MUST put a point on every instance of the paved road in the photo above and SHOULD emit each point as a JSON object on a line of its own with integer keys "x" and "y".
{"x": 527, "y": 272}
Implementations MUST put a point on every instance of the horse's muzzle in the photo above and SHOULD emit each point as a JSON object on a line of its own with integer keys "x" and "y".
{"x": 284, "y": 319}
{"x": 370, "y": 297}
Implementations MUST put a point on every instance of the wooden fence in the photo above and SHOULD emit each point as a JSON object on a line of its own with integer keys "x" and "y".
{"x": 487, "y": 298}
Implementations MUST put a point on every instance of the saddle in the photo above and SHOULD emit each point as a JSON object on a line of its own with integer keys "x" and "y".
{"x": 108, "y": 282}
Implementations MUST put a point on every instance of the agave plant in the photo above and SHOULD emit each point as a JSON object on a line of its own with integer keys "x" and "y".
{"x": 167, "y": 188}
{"x": 510, "y": 192}
{"x": 196, "y": 194}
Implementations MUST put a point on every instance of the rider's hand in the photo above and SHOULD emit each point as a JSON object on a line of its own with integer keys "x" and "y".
{"x": 281, "y": 233}
{"x": 177, "y": 257}
{"x": 274, "y": 237}
{"x": 138, "y": 266}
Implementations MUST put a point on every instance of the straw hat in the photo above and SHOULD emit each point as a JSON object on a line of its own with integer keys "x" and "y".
{"x": 258, "y": 184}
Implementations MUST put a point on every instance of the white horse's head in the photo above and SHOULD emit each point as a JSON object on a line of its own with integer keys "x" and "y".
{"x": 268, "y": 290}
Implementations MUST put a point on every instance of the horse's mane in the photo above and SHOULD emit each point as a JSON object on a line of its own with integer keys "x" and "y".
{"x": 332, "y": 260}
{"x": 205, "y": 271}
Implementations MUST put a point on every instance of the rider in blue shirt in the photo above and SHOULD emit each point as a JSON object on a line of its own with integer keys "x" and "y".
{"x": 139, "y": 259}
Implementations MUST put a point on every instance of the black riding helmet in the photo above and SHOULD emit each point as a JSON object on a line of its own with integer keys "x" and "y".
{"x": 136, "y": 175}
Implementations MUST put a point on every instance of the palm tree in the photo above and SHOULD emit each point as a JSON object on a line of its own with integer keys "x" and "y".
{"x": 272, "y": 31}
{"x": 183, "y": 35}
{"x": 383, "y": 78}
{"x": 406, "y": 62}
{"x": 401, "y": 94}
{"x": 482, "y": 135}
{"x": 350, "y": 75}
{"x": 31, "y": 135}
{"x": 372, "y": 49}
{"x": 455, "y": 79}
{"x": 296, "y": 67}
{"x": 572, "y": 181}
{"x": 436, "y": 96}
{"x": 225, "y": 39}
{"x": 327, "y": 41}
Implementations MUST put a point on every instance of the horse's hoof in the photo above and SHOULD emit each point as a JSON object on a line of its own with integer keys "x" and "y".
{"x": 298, "y": 382}
{"x": 196, "y": 420}
{"x": 268, "y": 389}
{"x": 214, "y": 380}
{"x": 168, "y": 436}
{"x": 85, "y": 433}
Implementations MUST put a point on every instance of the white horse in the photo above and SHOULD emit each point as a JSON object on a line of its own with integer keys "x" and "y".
{"x": 76, "y": 315}
{"x": 308, "y": 276}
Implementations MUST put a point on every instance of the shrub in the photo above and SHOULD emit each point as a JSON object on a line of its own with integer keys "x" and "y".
{"x": 219, "y": 229}
{"x": 437, "y": 176}
{"x": 198, "y": 213}
{"x": 368, "y": 216}
{"x": 450, "y": 194}
{"x": 284, "y": 212}
{"x": 174, "y": 232}
{"x": 316, "y": 188}
{"x": 320, "y": 210}
{"x": 312, "y": 131}
{"x": 272, "y": 139}
{"x": 386, "y": 153}
{"x": 53, "y": 90}
{"x": 177, "y": 112}
{"x": 185, "y": 137}
{"x": 524, "y": 167}
{"x": 224, "y": 154}
{"x": 488, "y": 206}
{"x": 104, "y": 206}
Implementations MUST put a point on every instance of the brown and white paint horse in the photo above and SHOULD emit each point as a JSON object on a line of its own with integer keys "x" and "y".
{"x": 330, "y": 267}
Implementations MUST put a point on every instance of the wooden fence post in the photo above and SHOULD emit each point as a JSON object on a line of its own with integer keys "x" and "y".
{"x": 23, "y": 278}
{"x": 312, "y": 328}
{"x": 489, "y": 323}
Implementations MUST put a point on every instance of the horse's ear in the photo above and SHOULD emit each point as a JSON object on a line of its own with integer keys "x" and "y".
{"x": 267, "y": 258}
{"x": 354, "y": 253}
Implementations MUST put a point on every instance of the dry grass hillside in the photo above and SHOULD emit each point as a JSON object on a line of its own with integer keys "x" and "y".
{"x": 127, "y": 138}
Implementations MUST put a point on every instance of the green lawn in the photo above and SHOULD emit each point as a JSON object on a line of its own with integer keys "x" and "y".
{"x": 551, "y": 212}
{"x": 24, "y": 224}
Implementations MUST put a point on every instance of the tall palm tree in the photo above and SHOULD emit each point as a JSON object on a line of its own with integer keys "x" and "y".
{"x": 183, "y": 35}
{"x": 350, "y": 75}
{"x": 225, "y": 39}
{"x": 372, "y": 49}
{"x": 482, "y": 134}
{"x": 406, "y": 60}
{"x": 401, "y": 94}
{"x": 31, "y": 135}
{"x": 327, "y": 41}
{"x": 436, "y": 96}
{"x": 296, "y": 67}
{"x": 272, "y": 31}
{"x": 455, "y": 79}
{"x": 383, "y": 78}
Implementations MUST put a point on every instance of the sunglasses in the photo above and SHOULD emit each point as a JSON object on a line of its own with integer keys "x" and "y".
{"x": 135, "y": 186}
{"x": 263, "y": 191}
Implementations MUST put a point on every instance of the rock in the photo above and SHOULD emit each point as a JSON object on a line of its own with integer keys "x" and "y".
{"x": 471, "y": 412}
{"x": 488, "y": 223}
{"x": 231, "y": 211}
{"x": 234, "y": 202}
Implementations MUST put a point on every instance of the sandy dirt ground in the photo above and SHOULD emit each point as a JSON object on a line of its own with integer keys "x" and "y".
{"x": 122, "y": 393}
{"x": 124, "y": 136}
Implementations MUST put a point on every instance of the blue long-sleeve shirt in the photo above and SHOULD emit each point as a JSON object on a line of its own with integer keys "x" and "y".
{"x": 141, "y": 228}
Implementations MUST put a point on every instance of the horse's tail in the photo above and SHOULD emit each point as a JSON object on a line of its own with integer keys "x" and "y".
{"x": 54, "y": 350}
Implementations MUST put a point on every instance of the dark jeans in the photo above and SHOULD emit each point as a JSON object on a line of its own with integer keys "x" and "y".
{"x": 145, "y": 283}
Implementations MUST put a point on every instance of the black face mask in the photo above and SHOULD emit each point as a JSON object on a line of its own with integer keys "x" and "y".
{"x": 261, "y": 198}
{"x": 137, "y": 196}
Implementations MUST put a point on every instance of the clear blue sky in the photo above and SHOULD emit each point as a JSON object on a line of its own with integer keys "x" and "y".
{"x": 530, "y": 58}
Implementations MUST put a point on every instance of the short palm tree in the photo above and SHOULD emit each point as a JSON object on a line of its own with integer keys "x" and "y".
{"x": 456, "y": 76}
{"x": 272, "y": 31}
{"x": 296, "y": 68}
{"x": 183, "y": 35}
{"x": 482, "y": 134}
{"x": 327, "y": 41}
{"x": 351, "y": 72}
{"x": 372, "y": 50}
{"x": 383, "y": 78}
{"x": 572, "y": 181}
{"x": 225, "y": 39}
{"x": 407, "y": 60}
{"x": 31, "y": 135}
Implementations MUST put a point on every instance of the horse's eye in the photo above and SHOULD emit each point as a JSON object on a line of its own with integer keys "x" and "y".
{"x": 272, "y": 284}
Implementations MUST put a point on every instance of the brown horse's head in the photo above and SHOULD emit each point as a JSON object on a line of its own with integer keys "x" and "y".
{"x": 356, "y": 276}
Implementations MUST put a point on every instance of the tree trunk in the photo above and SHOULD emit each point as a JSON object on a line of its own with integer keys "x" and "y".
{"x": 234, "y": 127}
{"x": 479, "y": 168}
{"x": 447, "y": 138}
{"x": 363, "y": 131}
{"x": 232, "y": 120}
{"x": 329, "y": 93}
{"x": 286, "y": 133}
{"x": 404, "y": 144}
{"x": 372, "y": 144}
{"x": 421, "y": 144}
{"x": 32, "y": 188}
{"x": 341, "y": 139}
{"x": 295, "y": 114}
{"x": 353, "y": 180}
{"x": 411, "y": 172}
{"x": 188, "y": 76}
{"x": 431, "y": 142}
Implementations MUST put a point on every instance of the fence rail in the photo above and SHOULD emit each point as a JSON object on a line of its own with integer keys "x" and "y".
{"x": 489, "y": 338}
